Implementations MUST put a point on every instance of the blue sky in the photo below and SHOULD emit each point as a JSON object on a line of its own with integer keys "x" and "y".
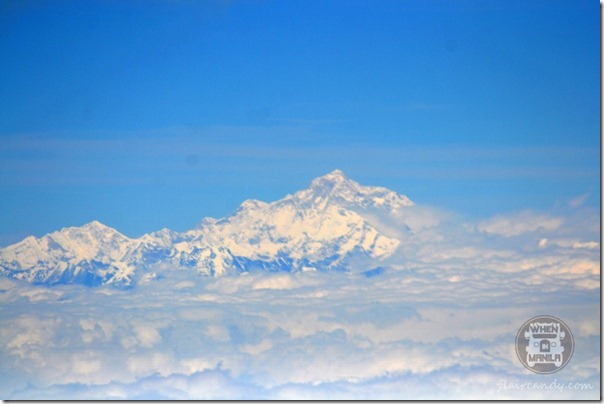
{"x": 155, "y": 114}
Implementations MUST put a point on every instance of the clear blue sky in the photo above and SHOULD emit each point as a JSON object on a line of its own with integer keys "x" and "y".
{"x": 151, "y": 114}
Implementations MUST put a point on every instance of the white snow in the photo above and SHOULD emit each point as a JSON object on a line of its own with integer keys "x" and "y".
{"x": 331, "y": 218}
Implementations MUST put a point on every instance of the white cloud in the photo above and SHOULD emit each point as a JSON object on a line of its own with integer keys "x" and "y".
{"x": 589, "y": 244}
{"x": 438, "y": 322}
{"x": 520, "y": 223}
{"x": 275, "y": 282}
{"x": 146, "y": 364}
{"x": 578, "y": 201}
{"x": 147, "y": 335}
{"x": 85, "y": 364}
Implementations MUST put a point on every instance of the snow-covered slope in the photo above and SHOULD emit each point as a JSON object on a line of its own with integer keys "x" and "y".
{"x": 328, "y": 226}
{"x": 91, "y": 254}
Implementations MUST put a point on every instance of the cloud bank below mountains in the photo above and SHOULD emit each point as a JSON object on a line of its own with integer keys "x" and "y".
{"x": 437, "y": 321}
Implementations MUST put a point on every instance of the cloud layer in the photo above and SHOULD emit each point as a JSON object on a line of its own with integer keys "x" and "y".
{"x": 437, "y": 321}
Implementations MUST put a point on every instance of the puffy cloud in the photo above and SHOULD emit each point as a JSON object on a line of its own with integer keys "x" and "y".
{"x": 147, "y": 335}
{"x": 85, "y": 363}
{"x": 275, "y": 282}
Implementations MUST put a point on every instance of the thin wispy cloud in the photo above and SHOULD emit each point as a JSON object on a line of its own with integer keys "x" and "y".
{"x": 80, "y": 159}
{"x": 579, "y": 200}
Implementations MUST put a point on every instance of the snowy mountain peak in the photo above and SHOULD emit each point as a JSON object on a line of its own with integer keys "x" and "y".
{"x": 336, "y": 188}
{"x": 251, "y": 204}
{"x": 93, "y": 232}
{"x": 95, "y": 224}
{"x": 335, "y": 177}
{"x": 333, "y": 180}
{"x": 334, "y": 224}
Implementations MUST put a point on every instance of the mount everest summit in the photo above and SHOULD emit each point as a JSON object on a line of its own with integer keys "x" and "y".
{"x": 334, "y": 224}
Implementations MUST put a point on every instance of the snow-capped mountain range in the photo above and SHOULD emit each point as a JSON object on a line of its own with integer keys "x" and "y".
{"x": 328, "y": 226}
